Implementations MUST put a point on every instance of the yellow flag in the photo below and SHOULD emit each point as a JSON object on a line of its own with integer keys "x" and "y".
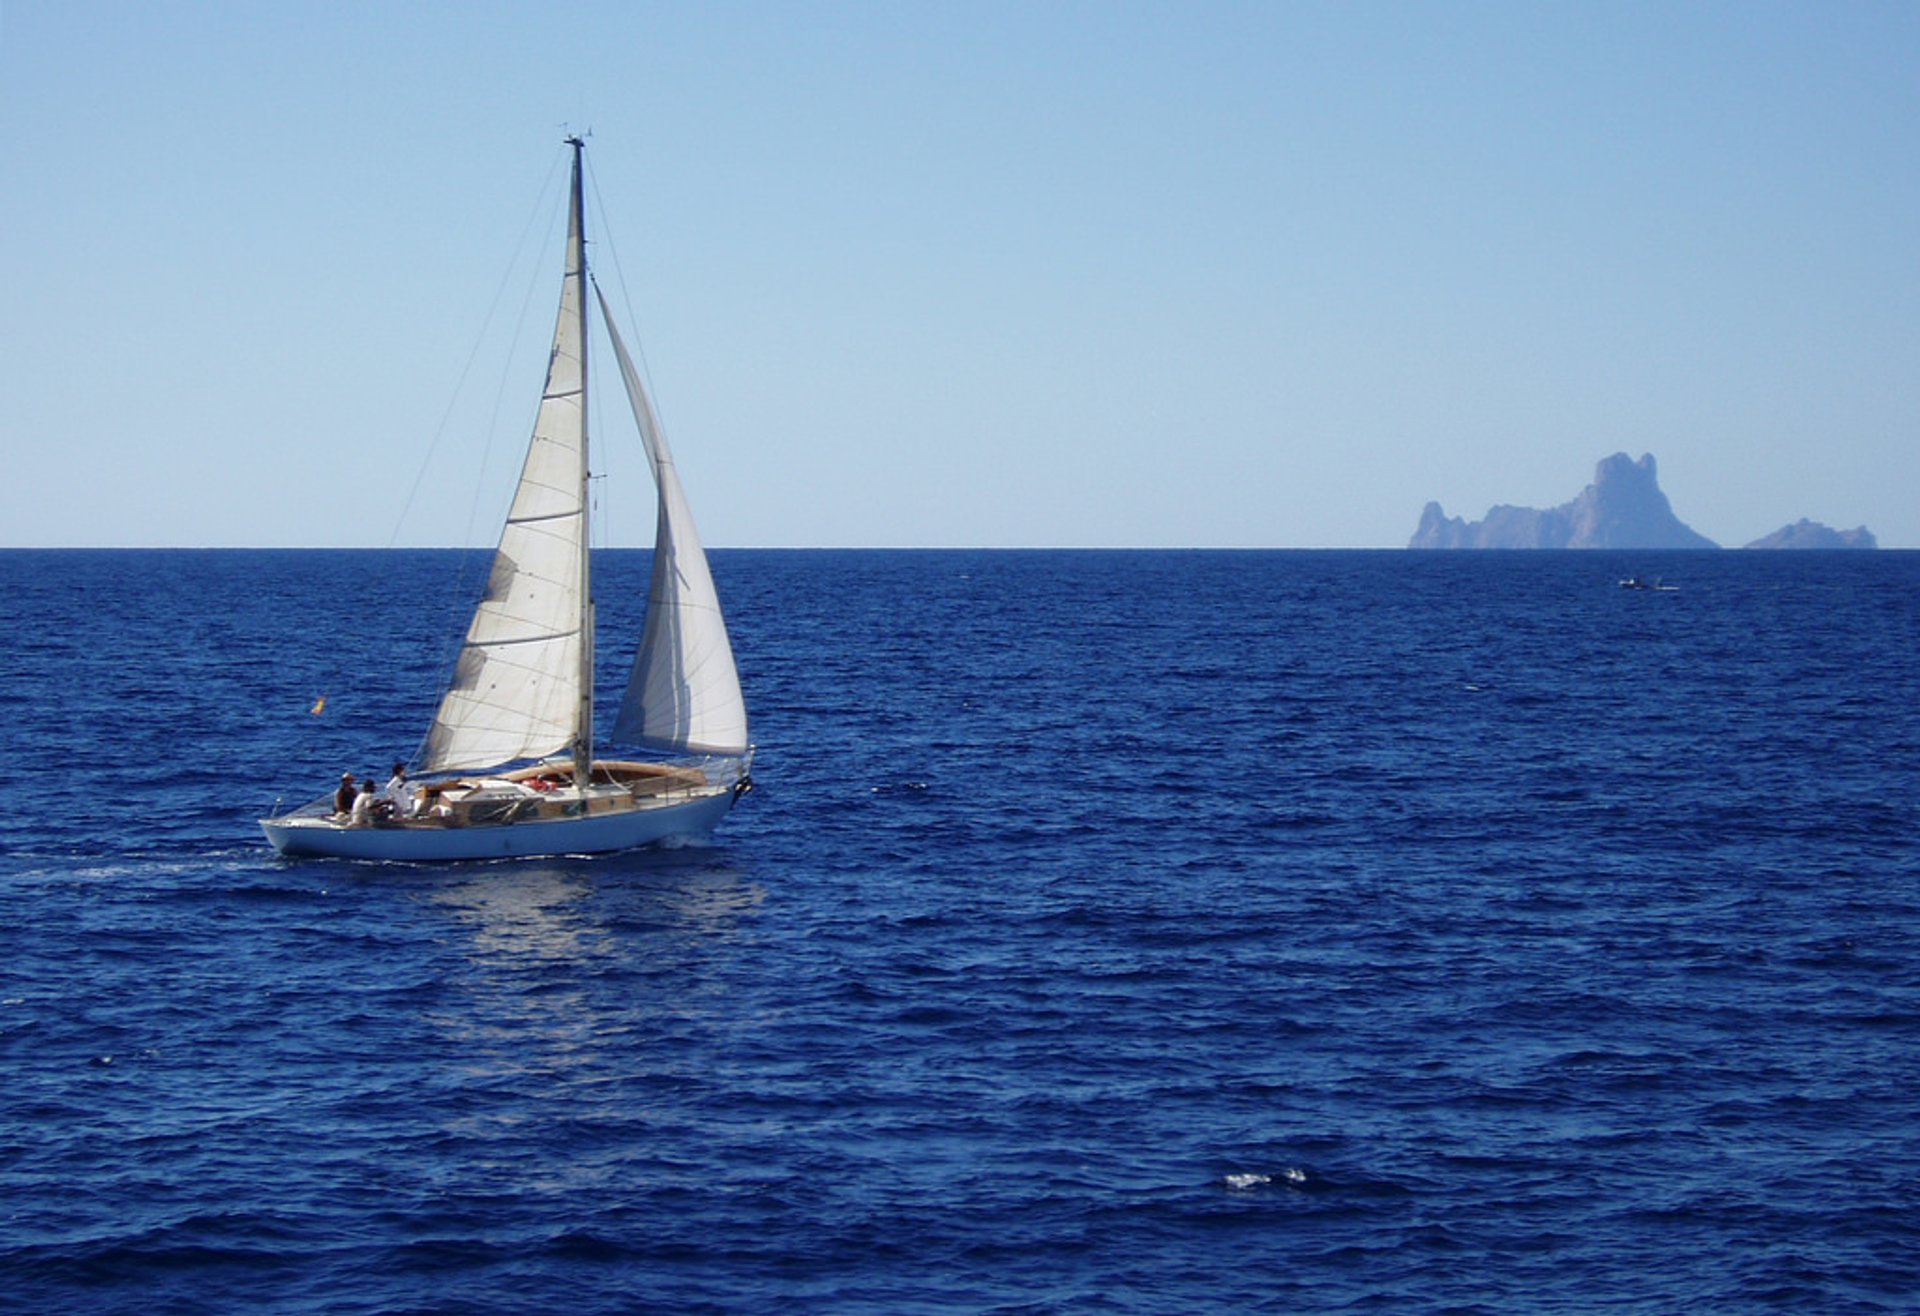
{"x": 319, "y": 706}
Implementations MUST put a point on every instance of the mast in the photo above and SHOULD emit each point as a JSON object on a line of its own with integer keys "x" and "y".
{"x": 577, "y": 270}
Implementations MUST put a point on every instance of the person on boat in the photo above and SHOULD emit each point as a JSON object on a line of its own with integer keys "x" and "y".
{"x": 343, "y": 798}
{"x": 362, "y": 813}
{"x": 398, "y": 795}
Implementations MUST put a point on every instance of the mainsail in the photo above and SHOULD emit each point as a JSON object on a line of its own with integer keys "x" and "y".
{"x": 684, "y": 693}
{"x": 520, "y": 688}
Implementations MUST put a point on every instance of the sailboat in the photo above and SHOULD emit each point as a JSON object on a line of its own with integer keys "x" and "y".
{"x": 507, "y": 767}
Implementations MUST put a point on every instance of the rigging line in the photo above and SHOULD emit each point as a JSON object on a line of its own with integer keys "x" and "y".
{"x": 636, "y": 346}
{"x": 600, "y": 525}
{"x": 595, "y": 400}
{"x": 534, "y": 282}
{"x": 638, "y": 343}
{"x": 473, "y": 354}
{"x": 519, "y": 252}
{"x": 459, "y": 597}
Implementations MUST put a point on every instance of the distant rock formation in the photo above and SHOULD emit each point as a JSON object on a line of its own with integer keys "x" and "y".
{"x": 1622, "y": 508}
{"x": 1811, "y": 534}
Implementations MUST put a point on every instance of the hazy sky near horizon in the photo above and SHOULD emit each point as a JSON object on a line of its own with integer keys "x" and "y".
{"x": 1002, "y": 274}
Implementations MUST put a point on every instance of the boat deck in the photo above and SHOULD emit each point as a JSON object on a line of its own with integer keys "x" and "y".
{"x": 542, "y": 792}
{"x": 533, "y": 811}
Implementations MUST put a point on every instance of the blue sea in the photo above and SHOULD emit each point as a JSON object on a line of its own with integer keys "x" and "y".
{"x": 1128, "y": 932}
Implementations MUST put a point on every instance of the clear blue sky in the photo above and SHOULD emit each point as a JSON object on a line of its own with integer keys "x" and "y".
{"x": 1266, "y": 274}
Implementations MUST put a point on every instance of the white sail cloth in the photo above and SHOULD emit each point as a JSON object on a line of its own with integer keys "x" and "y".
{"x": 517, "y": 687}
{"x": 684, "y": 693}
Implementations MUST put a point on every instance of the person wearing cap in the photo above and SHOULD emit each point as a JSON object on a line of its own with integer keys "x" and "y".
{"x": 343, "y": 798}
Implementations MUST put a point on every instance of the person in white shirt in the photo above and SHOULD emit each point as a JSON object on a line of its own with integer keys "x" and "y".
{"x": 398, "y": 794}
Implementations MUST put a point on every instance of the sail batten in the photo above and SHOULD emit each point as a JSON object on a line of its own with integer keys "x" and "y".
{"x": 509, "y": 641}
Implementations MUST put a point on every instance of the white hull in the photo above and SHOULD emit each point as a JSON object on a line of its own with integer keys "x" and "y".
{"x": 298, "y": 836}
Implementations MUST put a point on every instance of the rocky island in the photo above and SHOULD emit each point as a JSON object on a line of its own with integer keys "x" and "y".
{"x": 1811, "y": 534}
{"x": 1622, "y": 508}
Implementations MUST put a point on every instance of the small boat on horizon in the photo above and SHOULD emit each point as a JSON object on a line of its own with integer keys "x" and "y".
{"x": 508, "y": 766}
